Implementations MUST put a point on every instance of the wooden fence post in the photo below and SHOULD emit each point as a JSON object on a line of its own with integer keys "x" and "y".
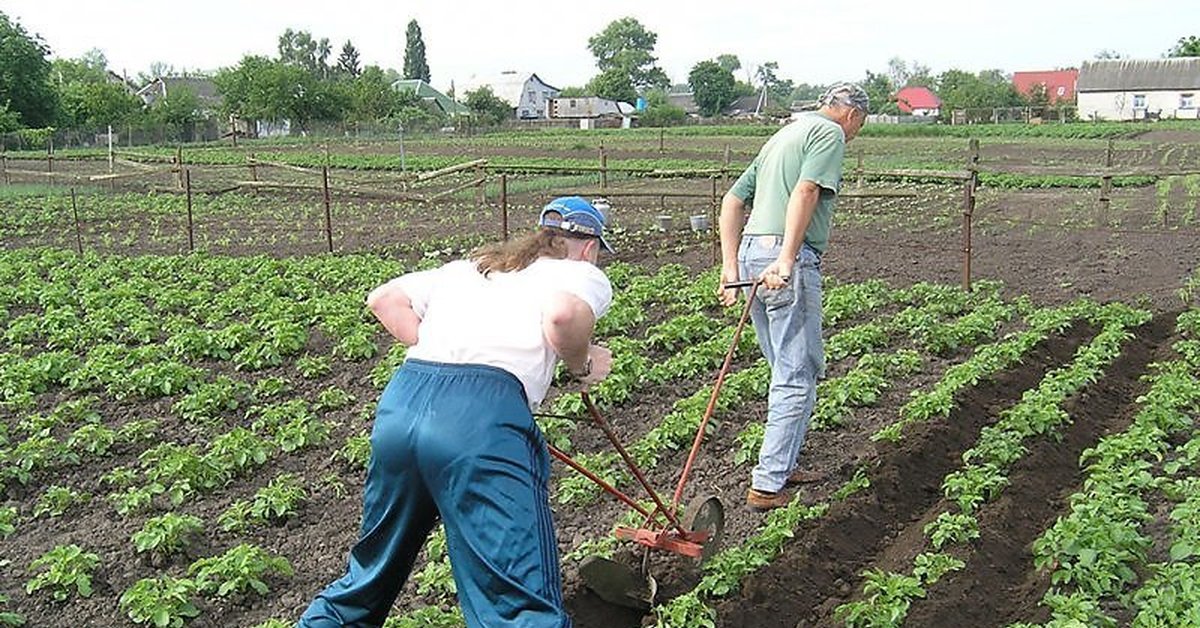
{"x": 969, "y": 186}
{"x": 78, "y": 234}
{"x": 4, "y": 164}
{"x": 253, "y": 167}
{"x": 1106, "y": 181}
{"x": 504, "y": 206}
{"x": 187, "y": 182}
{"x": 713, "y": 223}
{"x": 328, "y": 213}
{"x": 858, "y": 182}
{"x": 603, "y": 168}
{"x": 725, "y": 169}
{"x": 480, "y": 187}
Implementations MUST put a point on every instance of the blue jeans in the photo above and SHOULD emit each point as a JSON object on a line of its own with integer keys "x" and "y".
{"x": 455, "y": 441}
{"x": 787, "y": 323}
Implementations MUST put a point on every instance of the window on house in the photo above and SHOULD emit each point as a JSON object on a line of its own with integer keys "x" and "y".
{"x": 1187, "y": 101}
{"x": 1139, "y": 101}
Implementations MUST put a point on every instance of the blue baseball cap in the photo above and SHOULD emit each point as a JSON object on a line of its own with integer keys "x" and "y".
{"x": 576, "y": 215}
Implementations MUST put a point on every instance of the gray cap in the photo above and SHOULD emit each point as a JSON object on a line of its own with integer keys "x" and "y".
{"x": 848, "y": 95}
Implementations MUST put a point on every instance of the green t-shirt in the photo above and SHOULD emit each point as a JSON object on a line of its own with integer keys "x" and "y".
{"x": 809, "y": 149}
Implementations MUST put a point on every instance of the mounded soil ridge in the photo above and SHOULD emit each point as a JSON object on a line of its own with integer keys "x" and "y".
{"x": 999, "y": 585}
{"x": 820, "y": 567}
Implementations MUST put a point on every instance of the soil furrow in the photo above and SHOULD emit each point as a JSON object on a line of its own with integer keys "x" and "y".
{"x": 999, "y": 584}
{"x": 818, "y": 568}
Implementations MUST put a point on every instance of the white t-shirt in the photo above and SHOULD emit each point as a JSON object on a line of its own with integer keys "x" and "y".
{"x": 467, "y": 318}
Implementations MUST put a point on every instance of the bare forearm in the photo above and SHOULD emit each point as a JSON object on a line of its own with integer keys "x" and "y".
{"x": 568, "y": 327}
{"x": 801, "y": 206}
{"x": 733, "y": 217}
{"x": 394, "y": 310}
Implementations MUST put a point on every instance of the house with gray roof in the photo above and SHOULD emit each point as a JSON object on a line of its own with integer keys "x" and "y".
{"x": 526, "y": 92}
{"x": 207, "y": 96}
{"x": 1137, "y": 89}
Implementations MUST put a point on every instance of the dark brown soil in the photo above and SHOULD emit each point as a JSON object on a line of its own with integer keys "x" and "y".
{"x": 821, "y": 566}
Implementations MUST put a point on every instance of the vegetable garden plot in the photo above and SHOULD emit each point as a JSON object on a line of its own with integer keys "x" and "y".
{"x": 185, "y": 435}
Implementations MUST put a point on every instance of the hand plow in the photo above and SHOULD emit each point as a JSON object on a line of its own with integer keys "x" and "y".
{"x": 696, "y": 533}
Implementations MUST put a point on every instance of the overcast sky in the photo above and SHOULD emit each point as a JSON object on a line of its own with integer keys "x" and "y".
{"x": 813, "y": 42}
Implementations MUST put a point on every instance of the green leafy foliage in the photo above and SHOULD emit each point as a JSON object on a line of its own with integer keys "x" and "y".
{"x": 63, "y": 568}
{"x": 167, "y": 534}
{"x": 238, "y": 570}
{"x": 162, "y": 602}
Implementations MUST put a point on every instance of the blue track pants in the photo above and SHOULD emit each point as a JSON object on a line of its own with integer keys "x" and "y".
{"x": 459, "y": 442}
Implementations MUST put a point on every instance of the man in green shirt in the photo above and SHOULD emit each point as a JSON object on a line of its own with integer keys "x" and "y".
{"x": 792, "y": 186}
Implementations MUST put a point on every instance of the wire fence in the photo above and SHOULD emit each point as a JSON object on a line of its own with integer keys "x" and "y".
{"x": 264, "y": 206}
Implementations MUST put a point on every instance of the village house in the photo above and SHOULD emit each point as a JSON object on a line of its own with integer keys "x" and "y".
{"x": 919, "y": 101}
{"x": 528, "y": 94}
{"x": 1059, "y": 85}
{"x": 1138, "y": 89}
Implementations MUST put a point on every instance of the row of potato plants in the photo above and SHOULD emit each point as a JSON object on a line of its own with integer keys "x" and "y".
{"x": 887, "y": 596}
{"x": 699, "y": 344}
{"x": 725, "y": 571}
{"x": 1097, "y": 554}
{"x": 179, "y": 471}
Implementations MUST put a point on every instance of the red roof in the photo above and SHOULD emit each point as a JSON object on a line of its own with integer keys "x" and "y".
{"x": 911, "y": 98}
{"x": 1060, "y": 84}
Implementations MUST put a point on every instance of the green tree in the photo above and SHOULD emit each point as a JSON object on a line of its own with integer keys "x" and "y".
{"x": 659, "y": 111}
{"x": 372, "y": 97}
{"x": 300, "y": 49}
{"x": 573, "y": 92}
{"x": 487, "y": 106}
{"x": 882, "y": 93}
{"x": 1037, "y": 96}
{"x": 613, "y": 84}
{"x": 626, "y": 46}
{"x": 24, "y": 72}
{"x": 264, "y": 89}
{"x": 988, "y": 89}
{"x": 88, "y": 96}
{"x": 1186, "y": 47}
{"x": 179, "y": 110}
{"x": 415, "y": 66}
{"x": 729, "y": 62}
{"x": 713, "y": 87}
{"x": 347, "y": 63}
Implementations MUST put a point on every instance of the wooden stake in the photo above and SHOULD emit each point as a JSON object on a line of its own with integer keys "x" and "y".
{"x": 662, "y": 132}
{"x": 78, "y": 234}
{"x": 504, "y": 206}
{"x": 187, "y": 182}
{"x": 858, "y": 182}
{"x": 969, "y": 208}
{"x": 725, "y": 169}
{"x": 253, "y": 168}
{"x": 713, "y": 219}
{"x": 179, "y": 165}
{"x": 1106, "y": 181}
{"x": 603, "y": 168}
{"x": 328, "y": 214}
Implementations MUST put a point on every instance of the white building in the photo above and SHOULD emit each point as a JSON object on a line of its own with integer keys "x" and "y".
{"x": 1129, "y": 89}
{"x": 590, "y": 109}
{"x": 526, "y": 92}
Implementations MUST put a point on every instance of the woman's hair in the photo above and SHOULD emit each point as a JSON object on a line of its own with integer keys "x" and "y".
{"x": 520, "y": 252}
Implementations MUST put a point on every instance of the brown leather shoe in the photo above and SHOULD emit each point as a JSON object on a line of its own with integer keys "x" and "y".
{"x": 762, "y": 500}
{"x": 805, "y": 476}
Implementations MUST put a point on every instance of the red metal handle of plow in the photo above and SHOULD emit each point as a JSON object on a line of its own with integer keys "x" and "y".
{"x": 633, "y": 468}
{"x": 567, "y": 460}
{"x": 712, "y": 400}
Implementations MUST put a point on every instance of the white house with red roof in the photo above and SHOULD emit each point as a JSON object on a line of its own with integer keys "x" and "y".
{"x": 918, "y": 101}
